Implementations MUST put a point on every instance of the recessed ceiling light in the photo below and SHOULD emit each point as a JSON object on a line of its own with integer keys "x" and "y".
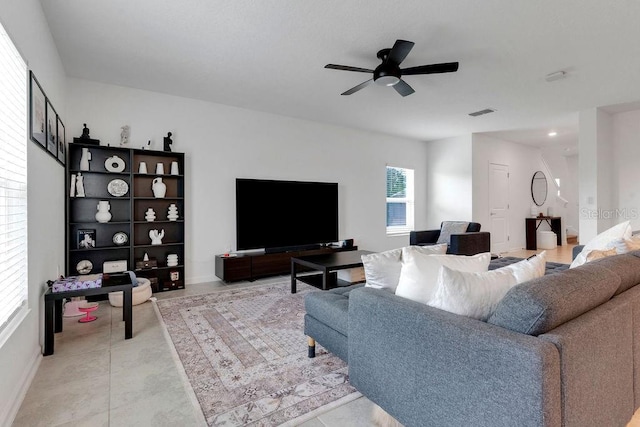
{"x": 552, "y": 133}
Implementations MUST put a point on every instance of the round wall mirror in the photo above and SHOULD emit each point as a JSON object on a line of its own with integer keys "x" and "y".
{"x": 539, "y": 188}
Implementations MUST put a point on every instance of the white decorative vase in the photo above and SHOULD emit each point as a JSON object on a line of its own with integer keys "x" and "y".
{"x": 159, "y": 188}
{"x": 174, "y": 168}
{"x": 156, "y": 237}
{"x": 103, "y": 214}
{"x": 84, "y": 160}
{"x": 172, "y": 215}
{"x": 150, "y": 215}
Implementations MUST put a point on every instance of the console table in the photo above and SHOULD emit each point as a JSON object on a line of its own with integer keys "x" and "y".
{"x": 53, "y": 310}
{"x": 532, "y": 225}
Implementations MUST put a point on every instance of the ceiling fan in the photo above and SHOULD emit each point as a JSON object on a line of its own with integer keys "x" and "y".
{"x": 388, "y": 73}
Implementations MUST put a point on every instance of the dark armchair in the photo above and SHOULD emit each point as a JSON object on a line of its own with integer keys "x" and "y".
{"x": 472, "y": 242}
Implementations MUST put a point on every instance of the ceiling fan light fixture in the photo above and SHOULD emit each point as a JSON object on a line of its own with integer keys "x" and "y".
{"x": 387, "y": 80}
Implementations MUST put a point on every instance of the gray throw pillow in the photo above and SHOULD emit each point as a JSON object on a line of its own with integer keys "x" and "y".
{"x": 451, "y": 227}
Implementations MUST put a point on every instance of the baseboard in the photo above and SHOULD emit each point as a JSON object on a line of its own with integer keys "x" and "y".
{"x": 10, "y": 409}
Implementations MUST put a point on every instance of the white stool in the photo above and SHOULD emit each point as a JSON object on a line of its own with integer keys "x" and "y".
{"x": 141, "y": 293}
{"x": 547, "y": 240}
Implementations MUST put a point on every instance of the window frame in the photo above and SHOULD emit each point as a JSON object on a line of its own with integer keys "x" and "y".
{"x": 408, "y": 200}
{"x": 13, "y": 187}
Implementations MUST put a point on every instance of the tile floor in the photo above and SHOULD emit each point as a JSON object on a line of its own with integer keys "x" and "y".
{"x": 97, "y": 378}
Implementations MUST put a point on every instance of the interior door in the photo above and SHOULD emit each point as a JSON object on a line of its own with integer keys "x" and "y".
{"x": 499, "y": 207}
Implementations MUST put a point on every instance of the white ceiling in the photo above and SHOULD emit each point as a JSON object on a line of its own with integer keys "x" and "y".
{"x": 269, "y": 56}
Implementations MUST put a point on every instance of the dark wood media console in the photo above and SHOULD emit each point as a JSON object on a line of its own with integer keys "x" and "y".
{"x": 255, "y": 266}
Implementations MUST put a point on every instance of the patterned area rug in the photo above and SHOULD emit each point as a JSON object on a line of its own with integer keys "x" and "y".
{"x": 245, "y": 354}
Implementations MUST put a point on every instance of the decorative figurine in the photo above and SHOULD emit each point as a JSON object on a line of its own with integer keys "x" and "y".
{"x": 156, "y": 237}
{"x": 85, "y": 138}
{"x": 125, "y": 132}
{"x": 148, "y": 146}
{"x": 79, "y": 185}
{"x": 167, "y": 142}
{"x": 85, "y": 132}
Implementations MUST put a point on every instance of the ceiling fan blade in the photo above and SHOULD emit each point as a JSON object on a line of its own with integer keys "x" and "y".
{"x": 403, "y": 88}
{"x": 399, "y": 51}
{"x": 447, "y": 67}
{"x": 347, "y": 68}
{"x": 357, "y": 88}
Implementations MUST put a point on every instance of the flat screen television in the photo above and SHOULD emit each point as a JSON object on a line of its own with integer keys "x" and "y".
{"x": 279, "y": 215}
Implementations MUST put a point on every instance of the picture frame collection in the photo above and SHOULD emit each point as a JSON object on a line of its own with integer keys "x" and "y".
{"x": 45, "y": 125}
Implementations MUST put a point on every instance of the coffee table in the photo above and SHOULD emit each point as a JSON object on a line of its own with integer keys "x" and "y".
{"x": 328, "y": 266}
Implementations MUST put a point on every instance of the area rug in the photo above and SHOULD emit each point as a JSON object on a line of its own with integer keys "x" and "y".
{"x": 244, "y": 353}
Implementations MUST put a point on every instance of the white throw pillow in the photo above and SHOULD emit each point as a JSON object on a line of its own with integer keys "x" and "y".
{"x": 528, "y": 269}
{"x": 419, "y": 274}
{"x": 622, "y": 245}
{"x": 474, "y": 295}
{"x": 382, "y": 270}
{"x": 602, "y": 241}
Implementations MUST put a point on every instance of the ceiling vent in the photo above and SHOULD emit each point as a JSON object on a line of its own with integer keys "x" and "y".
{"x": 482, "y": 112}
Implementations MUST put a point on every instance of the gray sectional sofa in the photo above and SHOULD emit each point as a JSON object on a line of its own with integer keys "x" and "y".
{"x": 561, "y": 350}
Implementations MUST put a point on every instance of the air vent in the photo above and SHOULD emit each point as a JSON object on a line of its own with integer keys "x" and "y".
{"x": 482, "y": 112}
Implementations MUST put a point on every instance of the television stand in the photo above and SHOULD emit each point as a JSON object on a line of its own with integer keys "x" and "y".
{"x": 292, "y": 248}
{"x": 253, "y": 266}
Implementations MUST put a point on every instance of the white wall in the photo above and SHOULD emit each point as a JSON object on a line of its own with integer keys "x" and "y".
{"x": 571, "y": 188}
{"x": 596, "y": 211}
{"x": 523, "y": 162}
{"x": 449, "y": 181}
{"x": 626, "y": 166}
{"x": 224, "y": 143}
{"x": 563, "y": 168}
{"x": 20, "y": 355}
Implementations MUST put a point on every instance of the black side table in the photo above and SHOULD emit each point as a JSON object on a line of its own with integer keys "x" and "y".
{"x": 53, "y": 310}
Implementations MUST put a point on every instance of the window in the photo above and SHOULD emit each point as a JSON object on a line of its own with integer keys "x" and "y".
{"x": 399, "y": 200}
{"x": 13, "y": 187}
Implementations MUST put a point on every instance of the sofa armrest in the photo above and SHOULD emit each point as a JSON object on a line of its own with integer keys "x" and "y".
{"x": 428, "y": 237}
{"x": 426, "y": 366}
{"x": 470, "y": 243}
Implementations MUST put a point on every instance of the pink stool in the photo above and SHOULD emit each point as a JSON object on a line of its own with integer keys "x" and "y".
{"x": 88, "y": 308}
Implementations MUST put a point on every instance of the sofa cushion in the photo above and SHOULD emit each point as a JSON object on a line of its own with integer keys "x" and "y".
{"x": 451, "y": 227}
{"x": 602, "y": 241}
{"x": 382, "y": 270}
{"x": 474, "y": 295}
{"x": 331, "y": 307}
{"x": 540, "y": 305}
{"x": 419, "y": 274}
{"x": 550, "y": 267}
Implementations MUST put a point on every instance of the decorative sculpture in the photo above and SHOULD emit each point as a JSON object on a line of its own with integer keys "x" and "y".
{"x": 167, "y": 142}
{"x": 79, "y": 185}
{"x": 156, "y": 236}
{"x": 125, "y": 132}
{"x": 85, "y": 138}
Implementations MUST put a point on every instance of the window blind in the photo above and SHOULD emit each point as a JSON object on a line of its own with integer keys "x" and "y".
{"x": 13, "y": 182}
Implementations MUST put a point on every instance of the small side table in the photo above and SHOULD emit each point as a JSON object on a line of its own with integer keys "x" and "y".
{"x": 53, "y": 310}
{"x": 531, "y": 228}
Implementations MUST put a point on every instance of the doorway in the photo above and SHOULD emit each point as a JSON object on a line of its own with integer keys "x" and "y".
{"x": 499, "y": 207}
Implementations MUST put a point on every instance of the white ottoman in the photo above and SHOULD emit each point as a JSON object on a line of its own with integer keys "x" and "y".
{"x": 141, "y": 293}
{"x": 547, "y": 240}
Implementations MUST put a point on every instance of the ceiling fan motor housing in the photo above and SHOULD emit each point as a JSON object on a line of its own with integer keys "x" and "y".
{"x": 386, "y": 74}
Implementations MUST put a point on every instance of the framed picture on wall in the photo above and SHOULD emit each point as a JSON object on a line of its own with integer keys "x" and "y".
{"x": 37, "y": 112}
{"x": 52, "y": 130}
{"x": 62, "y": 144}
